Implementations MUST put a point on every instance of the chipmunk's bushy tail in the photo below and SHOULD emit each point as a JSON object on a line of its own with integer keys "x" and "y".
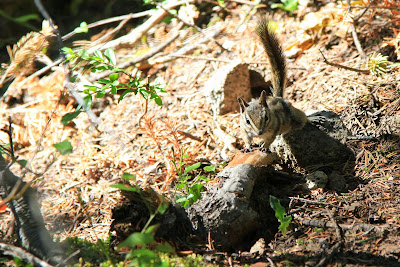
{"x": 275, "y": 55}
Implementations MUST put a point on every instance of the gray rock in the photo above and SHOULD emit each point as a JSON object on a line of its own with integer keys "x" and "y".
{"x": 316, "y": 180}
{"x": 320, "y": 142}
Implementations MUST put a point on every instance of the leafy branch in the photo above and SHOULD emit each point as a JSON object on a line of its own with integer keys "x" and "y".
{"x": 100, "y": 62}
{"x": 192, "y": 192}
{"x": 143, "y": 250}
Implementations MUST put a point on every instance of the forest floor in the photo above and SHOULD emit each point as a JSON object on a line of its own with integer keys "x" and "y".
{"x": 360, "y": 225}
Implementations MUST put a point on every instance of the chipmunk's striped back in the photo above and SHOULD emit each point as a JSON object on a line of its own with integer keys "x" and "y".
{"x": 270, "y": 116}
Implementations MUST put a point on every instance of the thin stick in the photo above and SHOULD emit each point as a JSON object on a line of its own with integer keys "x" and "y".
{"x": 151, "y": 53}
{"x": 192, "y": 25}
{"x": 116, "y": 29}
{"x": 376, "y": 7}
{"x": 338, "y": 229}
{"x": 354, "y": 32}
{"x": 18, "y": 252}
{"x": 111, "y": 20}
{"x": 357, "y": 41}
{"x": 313, "y": 202}
{"x": 203, "y": 58}
{"x": 215, "y": 30}
{"x": 341, "y": 66}
{"x": 146, "y": 102}
{"x": 139, "y": 31}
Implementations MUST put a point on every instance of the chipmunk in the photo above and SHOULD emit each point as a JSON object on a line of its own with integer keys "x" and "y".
{"x": 270, "y": 116}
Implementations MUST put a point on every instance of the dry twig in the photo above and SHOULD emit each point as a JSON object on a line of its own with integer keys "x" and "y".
{"x": 148, "y": 55}
{"x": 342, "y": 66}
{"x": 313, "y": 202}
{"x": 138, "y": 32}
{"x": 22, "y": 254}
{"x": 192, "y": 25}
{"x": 110, "y": 20}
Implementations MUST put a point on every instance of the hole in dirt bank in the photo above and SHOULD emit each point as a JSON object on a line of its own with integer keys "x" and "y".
{"x": 258, "y": 84}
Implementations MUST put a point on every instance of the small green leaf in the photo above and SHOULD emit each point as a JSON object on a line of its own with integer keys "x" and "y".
{"x": 180, "y": 186}
{"x": 125, "y": 187}
{"x": 114, "y": 89}
{"x": 83, "y": 28}
{"x": 285, "y": 224}
{"x": 144, "y": 93}
{"x": 124, "y": 94}
{"x": 277, "y": 207}
{"x": 286, "y": 5}
{"x": 98, "y": 53}
{"x": 196, "y": 190}
{"x": 158, "y": 100}
{"x": 99, "y": 69}
{"x": 110, "y": 55}
{"x": 137, "y": 239}
{"x": 70, "y": 116}
{"x": 100, "y": 93}
{"x": 88, "y": 100}
{"x": 64, "y": 147}
{"x": 104, "y": 81}
{"x": 145, "y": 256}
{"x": 165, "y": 248}
{"x": 91, "y": 87}
{"x": 192, "y": 167}
{"x": 280, "y": 214}
{"x": 181, "y": 199}
{"x": 22, "y": 162}
{"x": 127, "y": 176}
{"x": 26, "y": 18}
{"x": 116, "y": 69}
{"x": 152, "y": 229}
{"x": 162, "y": 208}
{"x": 210, "y": 168}
{"x": 114, "y": 76}
{"x": 18, "y": 261}
{"x": 67, "y": 51}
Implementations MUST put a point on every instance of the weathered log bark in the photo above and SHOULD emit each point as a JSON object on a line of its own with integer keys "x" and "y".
{"x": 31, "y": 230}
{"x": 226, "y": 212}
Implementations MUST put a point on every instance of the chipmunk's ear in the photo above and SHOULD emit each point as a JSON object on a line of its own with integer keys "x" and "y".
{"x": 243, "y": 104}
{"x": 263, "y": 99}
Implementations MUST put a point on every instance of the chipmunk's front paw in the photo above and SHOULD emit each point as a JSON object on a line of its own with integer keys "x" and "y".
{"x": 265, "y": 149}
{"x": 247, "y": 149}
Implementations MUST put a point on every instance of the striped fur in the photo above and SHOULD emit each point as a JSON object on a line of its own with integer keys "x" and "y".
{"x": 270, "y": 116}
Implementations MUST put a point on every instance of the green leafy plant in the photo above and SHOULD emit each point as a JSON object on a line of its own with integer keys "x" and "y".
{"x": 194, "y": 188}
{"x": 378, "y": 64}
{"x": 64, "y": 147}
{"x": 280, "y": 214}
{"x": 106, "y": 61}
{"x": 83, "y": 28}
{"x": 286, "y": 5}
{"x": 143, "y": 249}
{"x": 98, "y": 253}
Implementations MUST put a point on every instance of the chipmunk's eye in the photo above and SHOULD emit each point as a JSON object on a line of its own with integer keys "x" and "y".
{"x": 247, "y": 121}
